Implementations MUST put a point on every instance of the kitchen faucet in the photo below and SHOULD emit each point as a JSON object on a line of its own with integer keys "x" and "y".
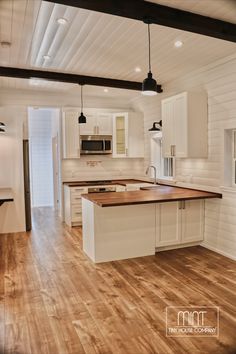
{"x": 155, "y": 172}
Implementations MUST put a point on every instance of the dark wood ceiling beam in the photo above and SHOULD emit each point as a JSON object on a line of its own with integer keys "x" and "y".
{"x": 71, "y": 78}
{"x": 160, "y": 15}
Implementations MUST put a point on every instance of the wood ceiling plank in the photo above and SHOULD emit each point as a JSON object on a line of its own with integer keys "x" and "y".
{"x": 159, "y": 14}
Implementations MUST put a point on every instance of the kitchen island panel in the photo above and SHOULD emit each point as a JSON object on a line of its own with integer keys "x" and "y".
{"x": 118, "y": 233}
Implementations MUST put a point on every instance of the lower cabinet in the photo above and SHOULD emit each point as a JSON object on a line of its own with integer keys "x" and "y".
{"x": 73, "y": 202}
{"x": 179, "y": 222}
{"x": 73, "y": 205}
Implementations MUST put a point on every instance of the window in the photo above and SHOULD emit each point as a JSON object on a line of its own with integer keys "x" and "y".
{"x": 229, "y": 163}
{"x": 165, "y": 166}
{"x": 234, "y": 158}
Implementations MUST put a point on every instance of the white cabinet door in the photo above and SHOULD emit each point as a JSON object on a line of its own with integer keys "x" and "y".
{"x": 180, "y": 126}
{"x": 90, "y": 127}
{"x": 184, "y": 125}
{"x": 168, "y": 224}
{"x": 167, "y": 127}
{"x": 120, "y": 135}
{"x": 104, "y": 123}
{"x": 70, "y": 135}
{"x": 192, "y": 221}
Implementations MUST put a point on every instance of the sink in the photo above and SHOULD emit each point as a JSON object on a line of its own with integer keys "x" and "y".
{"x": 156, "y": 186}
{"x": 137, "y": 186}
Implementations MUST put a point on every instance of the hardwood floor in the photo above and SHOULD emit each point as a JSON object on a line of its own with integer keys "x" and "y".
{"x": 53, "y": 299}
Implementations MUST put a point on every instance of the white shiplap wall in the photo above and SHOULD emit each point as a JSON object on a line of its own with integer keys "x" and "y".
{"x": 219, "y": 80}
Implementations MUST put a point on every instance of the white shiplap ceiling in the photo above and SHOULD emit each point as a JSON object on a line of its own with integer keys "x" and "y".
{"x": 98, "y": 44}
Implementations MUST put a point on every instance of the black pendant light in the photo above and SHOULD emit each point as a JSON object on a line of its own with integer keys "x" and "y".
{"x": 155, "y": 128}
{"x": 82, "y": 118}
{"x": 2, "y": 127}
{"x": 149, "y": 86}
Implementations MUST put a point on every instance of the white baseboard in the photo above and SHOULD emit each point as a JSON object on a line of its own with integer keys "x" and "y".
{"x": 204, "y": 244}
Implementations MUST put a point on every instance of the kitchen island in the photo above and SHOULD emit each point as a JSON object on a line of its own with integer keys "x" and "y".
{"x": 120, "y": 225}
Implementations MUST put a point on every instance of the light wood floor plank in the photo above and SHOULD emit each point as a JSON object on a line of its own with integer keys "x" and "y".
{"x": 54, "y": 300}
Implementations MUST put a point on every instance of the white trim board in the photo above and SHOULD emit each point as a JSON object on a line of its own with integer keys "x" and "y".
{"x": 214, "y": 249}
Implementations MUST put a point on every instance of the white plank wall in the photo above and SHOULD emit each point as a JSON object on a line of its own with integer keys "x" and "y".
{"x": 219, "y": 80}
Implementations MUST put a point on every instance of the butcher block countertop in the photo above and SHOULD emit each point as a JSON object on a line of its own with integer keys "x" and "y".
{"x": 6, "y": 195}
{"x": 160, "y": 194}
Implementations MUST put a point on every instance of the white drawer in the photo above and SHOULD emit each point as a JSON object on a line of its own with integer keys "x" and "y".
{"x": 76, "y": 215}
{"x": 76, "y": 208}
{"x": 75, "y": 199}
{"x": 78, "y": 190}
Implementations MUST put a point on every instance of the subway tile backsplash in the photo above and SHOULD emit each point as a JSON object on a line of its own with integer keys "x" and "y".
{"x": 101, "y": 167}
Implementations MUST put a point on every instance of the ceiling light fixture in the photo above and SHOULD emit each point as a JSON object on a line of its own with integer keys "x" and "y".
{"x": 105, "y": 90}
{"x": 178, "y": 44}
{"x": 82, "y": 118}
{"x": 62, "y": 21}
{"x": 149, "y": 86}
{"x": 46, "y": 57}
{"x": 138, "y": 69}
{"x": 155, "y": 128}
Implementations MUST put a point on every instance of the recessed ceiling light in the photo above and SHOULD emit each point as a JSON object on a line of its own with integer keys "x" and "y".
{"x": 178, "y": 44}
{"x": 46, "y": 57}
{"x": 138, "y": 69}
{"x": 34, "y": 82}
{"x": 105, "y": 90}
{"x": 62, "y": 21}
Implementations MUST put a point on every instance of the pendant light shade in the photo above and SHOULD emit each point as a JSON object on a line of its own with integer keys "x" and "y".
{"x": 155, "y": 128}
{"x": 149, "y": 86}
{"x": 82, "y": 118}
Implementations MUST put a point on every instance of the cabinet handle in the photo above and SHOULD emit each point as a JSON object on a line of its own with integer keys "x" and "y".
{"x": 79, "y": 189}
{"x": 174, "y": 146}
{"x": 180, "y": 204}
{"x": 183, "y": 204}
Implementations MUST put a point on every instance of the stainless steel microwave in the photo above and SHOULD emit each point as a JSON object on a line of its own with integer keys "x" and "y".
{"x": 95, "y": 144}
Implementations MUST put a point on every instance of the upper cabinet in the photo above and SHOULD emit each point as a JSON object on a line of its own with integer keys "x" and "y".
{"x": 126, "y": 129}
{"x": 128, "y": 135}
{"x": 184, "y": 119}
{"x": 98, "y": 123}
{"x": 70, "y": 134}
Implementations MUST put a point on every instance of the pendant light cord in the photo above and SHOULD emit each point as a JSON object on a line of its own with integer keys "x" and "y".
{"x": 149, "y": 47}
{"x": 81, "y": 97}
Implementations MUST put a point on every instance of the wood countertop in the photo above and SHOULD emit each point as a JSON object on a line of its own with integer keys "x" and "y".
{"x": 161, "y": 194}
{"x": 6, "y": 195}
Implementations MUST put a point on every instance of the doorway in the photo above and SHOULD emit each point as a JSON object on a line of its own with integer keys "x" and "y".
{"x": 43, "y": 132}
